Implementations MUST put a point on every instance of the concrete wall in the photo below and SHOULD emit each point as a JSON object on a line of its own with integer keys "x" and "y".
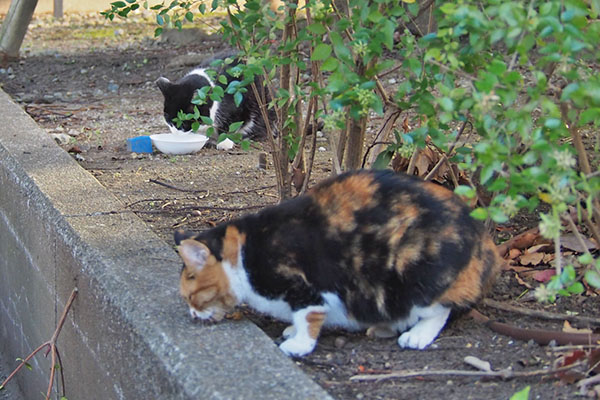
{"x": 128, "y": 335}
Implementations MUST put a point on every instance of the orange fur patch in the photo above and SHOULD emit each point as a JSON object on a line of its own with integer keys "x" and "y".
{"x": 231, "y": 244}
{"x": 340, "y": 200}
{"x": 468, "y": 286}
{"x": 406, "y": 255}
{"x": 315, "y": 321}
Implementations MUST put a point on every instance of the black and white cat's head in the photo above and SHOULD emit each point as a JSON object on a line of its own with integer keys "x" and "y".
{"x": 179, "y": 94}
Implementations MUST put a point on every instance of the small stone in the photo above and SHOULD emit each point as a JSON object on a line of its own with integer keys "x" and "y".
{"x": 2, "y": 71}
{"x": 226, "y": 144}
{"x": 262, "y": 160}
{"x": 391, "y": 81}
{"x": 322, "y": 148}
{"x": 83, "y": 71}
{"x": 319, "y": 134}
{"x": 340, "y": 342}
{"x": 61, "y": 138}
{"x": 119, "y": 32}
{"x": 112, "y": 87}
{"x": 360, "y": 396}
{"x": 72, "y": 132}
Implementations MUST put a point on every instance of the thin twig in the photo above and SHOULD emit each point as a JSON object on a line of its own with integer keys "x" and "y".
{"x": 156, "y": 181}
{"x": 51, "y": 348}
{"x": 540, "y": 314}
{"x": 503, "y": 374}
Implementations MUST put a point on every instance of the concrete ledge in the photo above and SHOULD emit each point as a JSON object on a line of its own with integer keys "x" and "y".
{"x": 128, "y": 335}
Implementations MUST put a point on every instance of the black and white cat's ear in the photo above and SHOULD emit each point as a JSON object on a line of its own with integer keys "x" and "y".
{"x": 194, "y": 254}
{"x": 163, "y": 84}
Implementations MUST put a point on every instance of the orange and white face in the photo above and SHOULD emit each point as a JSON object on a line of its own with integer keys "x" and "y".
{"x": 204, "y": 283}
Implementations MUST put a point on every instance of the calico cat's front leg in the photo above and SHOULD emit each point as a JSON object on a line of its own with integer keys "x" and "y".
{"x": 302, "y": 339}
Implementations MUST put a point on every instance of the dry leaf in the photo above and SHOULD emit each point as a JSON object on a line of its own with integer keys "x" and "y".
{"x": 513, "y": 253}
{"x": 548, "y": 257}
{"x": 544, "y": 275}
{"x": 536, "y": 248}
{"x": 568, "y": 328}
{"x": 570, "y": 241}
{"x": 531, "y": 259}
{"x": 522, "y": 282}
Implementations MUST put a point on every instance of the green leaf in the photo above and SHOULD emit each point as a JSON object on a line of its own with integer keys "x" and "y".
{"x": 576, "y": 288}
{"x": 586, "y": 258}
{"x": 321, "y": 52}
{"x": 330, "y": 64}
{"x": 317, "y": 28}
{"x": 237, "y": 98}
{"x": 383, "y": 159}
{"x": 479, "y": 213}
{"x": 339, "y": 47}
{"x": 521, "y": 394}
{"x": 206, "y": 120}
{"x": 552, "y": 123}
{"x": 189, "y": 16}
{"x": 235, "y": 126}
{"x": 195, "y": 126}
{"x": 118, "y": 4}
{"x": 464, "y": 190}
{"x": 592, "y": 276}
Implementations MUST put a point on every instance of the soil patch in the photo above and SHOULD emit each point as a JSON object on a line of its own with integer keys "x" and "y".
{"x": 91, "y": 83}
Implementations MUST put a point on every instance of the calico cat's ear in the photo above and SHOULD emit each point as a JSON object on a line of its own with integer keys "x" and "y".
{"x": 180, "y": 235}
{"x": 163, "y": 84}
{"x": 194, "y": 254}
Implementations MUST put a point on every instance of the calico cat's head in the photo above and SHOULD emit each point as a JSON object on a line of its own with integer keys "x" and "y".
{"x": 205, "y": 282}
{"x": 178, "y": 96}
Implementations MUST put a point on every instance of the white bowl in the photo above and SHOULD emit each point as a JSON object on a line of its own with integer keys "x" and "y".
{"x": 178, "y": 143}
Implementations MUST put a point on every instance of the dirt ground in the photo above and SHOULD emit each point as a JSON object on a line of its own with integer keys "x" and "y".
{"x": 91, "y": 83}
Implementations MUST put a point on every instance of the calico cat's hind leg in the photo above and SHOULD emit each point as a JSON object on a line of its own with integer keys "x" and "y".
{"x": 429, "y": 322}
{"x": 307, "y": 325}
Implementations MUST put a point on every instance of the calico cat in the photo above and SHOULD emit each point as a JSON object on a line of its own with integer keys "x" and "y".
{"x": 178, "y": 95}
{"x": 365, "y": 249}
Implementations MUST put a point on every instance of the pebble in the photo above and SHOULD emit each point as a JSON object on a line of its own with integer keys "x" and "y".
{"x": 83, "y": 71}
{"x": 112, "y": 87}
{"x": 340, "y": 342}
{"x": 322, "y": 148}
{"x": 61, "y": 138}
{"x": 391, "y": 81}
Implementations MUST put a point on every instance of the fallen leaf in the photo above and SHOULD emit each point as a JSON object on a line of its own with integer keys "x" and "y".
{"x": 570, "y": 241}
{"x": 531, "y": 259}
{"x": 544, "y": 275}
{"x": 513, "y": 253}
{"x": 525, "y": 240}
{"x": 536, "y": 248}
{"x": 568, "y": 328}
{"x": 522, "y": 282}
{"x": 548, "y": 257}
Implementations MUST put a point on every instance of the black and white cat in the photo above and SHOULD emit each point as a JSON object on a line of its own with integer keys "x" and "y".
{"x": 178, "y": 96}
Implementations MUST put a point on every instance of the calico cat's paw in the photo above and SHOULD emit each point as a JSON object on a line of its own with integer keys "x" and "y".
{"x": 423, "y": 333}
{"x": 289, "y": 332}
{"x": 298, "y": 347}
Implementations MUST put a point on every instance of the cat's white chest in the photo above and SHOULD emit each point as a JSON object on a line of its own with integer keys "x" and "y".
{"x": 240, "y": 286}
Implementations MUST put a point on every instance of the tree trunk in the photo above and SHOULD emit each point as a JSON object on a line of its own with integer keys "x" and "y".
{"x": 15, "y": 26}
{"x": 356, "y": 140}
